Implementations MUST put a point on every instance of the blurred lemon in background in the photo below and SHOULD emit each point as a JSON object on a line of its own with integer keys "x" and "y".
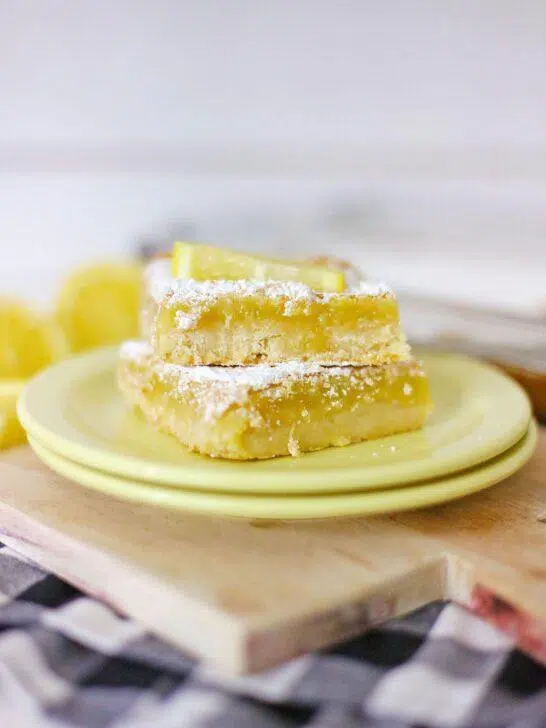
{"x": 11, "y": 431}
{"x": 98, "y": 305}
{"x": 28, "y": 343}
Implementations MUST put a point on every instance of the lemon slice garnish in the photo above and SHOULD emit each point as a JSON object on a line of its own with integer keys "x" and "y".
{"x": 99, "y": 305}
{"x": 205, "y": 262}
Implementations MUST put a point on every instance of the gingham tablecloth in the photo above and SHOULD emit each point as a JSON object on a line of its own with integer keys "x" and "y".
{"x": 68, "y": 660}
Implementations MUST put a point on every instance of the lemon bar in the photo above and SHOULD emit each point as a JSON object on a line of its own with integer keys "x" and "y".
{"x": 263, "y": 411}
{"x": 245, "y": 322}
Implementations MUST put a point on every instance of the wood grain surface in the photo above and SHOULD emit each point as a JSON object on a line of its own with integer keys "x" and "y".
{"x": 247, "y": 595}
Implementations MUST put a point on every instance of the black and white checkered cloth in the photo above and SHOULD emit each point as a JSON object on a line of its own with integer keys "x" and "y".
{"x": 68, "y": 660}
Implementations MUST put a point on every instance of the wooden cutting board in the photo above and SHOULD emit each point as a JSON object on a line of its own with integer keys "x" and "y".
{"x": 246, "y": 595}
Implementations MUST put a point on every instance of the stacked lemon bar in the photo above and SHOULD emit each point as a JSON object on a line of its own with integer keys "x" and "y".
{"x": 244, "y": 358}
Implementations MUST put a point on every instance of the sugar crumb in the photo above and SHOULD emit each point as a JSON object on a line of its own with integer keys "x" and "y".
{"x": 185, "y": 321}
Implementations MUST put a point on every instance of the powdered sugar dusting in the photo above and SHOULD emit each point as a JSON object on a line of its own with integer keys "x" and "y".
{"x": 255, "y": 377}
{"x": 135, "y": 349}
{"x": 184, "y": 321}
{"x": 198, "y": 292}
{"x": 259, "y": 376}
{"x": 370, "y": 288}
{"x": 159, "y": 282}
{"x": 204, "y": 293}
{"x": 158, "y": 279}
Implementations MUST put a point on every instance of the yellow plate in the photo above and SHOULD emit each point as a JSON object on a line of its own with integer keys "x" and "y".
{"x": 75, "y": 410}
{"x": 302, "y": 506}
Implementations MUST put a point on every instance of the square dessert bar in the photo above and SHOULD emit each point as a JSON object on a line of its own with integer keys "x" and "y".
{"x": 263, "y": 411}
{"x": 251, "y": 322}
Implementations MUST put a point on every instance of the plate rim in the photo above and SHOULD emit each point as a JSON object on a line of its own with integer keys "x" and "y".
{"x": 268, "y": 507}
{"x": 233, "y": 477}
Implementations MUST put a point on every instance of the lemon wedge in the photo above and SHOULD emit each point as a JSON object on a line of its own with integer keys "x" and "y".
{"x": 11, "y": 431}
{"x": 28, "y": 342}
{"x": 99, "y": 305}
{"x": 205, "y": 262}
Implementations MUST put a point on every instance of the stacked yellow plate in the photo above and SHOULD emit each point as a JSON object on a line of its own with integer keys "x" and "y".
{"x": 480, "y": 433}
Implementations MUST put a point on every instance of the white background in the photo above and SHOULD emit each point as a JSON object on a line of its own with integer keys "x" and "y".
{"x": 125, "y": 121}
